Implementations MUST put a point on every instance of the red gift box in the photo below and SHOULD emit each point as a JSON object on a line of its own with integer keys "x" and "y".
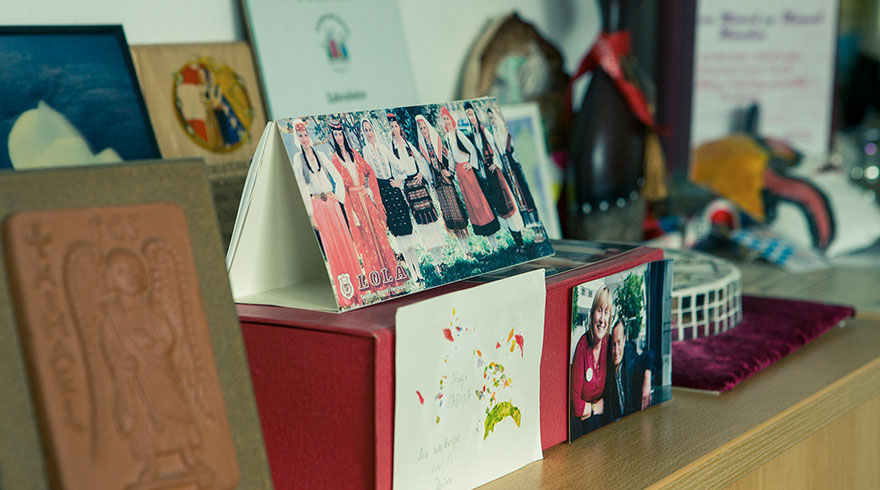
{"x": 324, "y": 382}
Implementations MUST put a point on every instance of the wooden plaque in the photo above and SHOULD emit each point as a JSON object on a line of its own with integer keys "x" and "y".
{"x": 118, "y": 348}
{"x": 114, "y": 307}
{"x": 205, "y": 101}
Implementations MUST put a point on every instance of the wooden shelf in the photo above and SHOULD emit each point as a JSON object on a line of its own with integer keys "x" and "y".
{"x": 813, "y": 416}
{"x": 844, "y": 285}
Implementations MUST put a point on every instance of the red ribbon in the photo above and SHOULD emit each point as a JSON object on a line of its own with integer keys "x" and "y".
{"x": 606, "y": 54}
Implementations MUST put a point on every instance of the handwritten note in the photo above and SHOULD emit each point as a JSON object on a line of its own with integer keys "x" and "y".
{"x": 467, "y": 384}
{"x": 779, "y": 55}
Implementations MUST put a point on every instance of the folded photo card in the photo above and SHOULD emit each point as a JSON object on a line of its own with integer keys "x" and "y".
{"x": 620, "y": 346}
{"x": 382, "y": 203}
{"x": 467, "y": 383}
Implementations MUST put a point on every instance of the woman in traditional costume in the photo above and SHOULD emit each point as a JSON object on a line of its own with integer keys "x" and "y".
{"x": 437, "y": 155}
{"x": 491, "y": 177}
{"x": 389, "y": 181}
{"x": 464, "y": 158}
{"x": 366, "y": 221}
{"x": 324, "y": 194}
{"x": 511, "y": 166}
{"x": 415, "y": 189}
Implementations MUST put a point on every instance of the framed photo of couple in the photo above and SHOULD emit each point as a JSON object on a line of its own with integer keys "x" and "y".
{"x": 399, "y": 200}
{"x": 619, "y": 358}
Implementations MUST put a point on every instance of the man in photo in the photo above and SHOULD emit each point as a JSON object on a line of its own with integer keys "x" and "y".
{"x": 628, "y": 386}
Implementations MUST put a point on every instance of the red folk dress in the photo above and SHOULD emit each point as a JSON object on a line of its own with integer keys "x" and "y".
{"x": 370, "y": 232}
{"x": 326, "y": 214}
{"x": 481, "y": 215}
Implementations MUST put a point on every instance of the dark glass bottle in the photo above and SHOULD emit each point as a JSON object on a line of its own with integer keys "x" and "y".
{"x": 606, "y": 155}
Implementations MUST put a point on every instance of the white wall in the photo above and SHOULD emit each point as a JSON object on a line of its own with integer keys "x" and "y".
{"x": 144, "y": 21}
{"x": 439, "y": 33}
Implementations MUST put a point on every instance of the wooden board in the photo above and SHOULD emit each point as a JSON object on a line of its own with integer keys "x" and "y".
{"x": 118, "y": 349}
{"x": 24, "y": 460}
{"x": 205, "y": 101}
{"x": 851, "y": 442}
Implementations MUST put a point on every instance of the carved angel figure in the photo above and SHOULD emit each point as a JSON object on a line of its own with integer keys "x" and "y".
{"x": 131, "y": 312}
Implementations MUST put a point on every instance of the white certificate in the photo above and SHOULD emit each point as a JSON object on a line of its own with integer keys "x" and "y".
{"x": 779, "y": 55}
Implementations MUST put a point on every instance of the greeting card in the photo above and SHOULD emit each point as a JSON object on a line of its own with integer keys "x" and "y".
{"x": 467, "y": 384}
{"x": 773, "y": 55}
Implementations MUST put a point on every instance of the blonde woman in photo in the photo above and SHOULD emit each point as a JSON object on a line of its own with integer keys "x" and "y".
{"x": 589, "y": 366}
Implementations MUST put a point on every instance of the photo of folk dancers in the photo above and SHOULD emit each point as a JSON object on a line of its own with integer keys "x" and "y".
{"x": 405, "y": 199}
{"x": 615, "y": 362}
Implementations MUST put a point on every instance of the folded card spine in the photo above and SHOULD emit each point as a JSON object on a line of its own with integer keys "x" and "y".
{"x": 246, "y": 194}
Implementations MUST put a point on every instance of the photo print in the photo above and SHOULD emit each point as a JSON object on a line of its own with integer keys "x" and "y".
{"x": 617, "y": 350}
{"x": 70, "y": 97}
{"x": 411, "y": 198}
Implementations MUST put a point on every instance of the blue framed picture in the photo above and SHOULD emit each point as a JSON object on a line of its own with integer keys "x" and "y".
{"x": 70, "y": 97}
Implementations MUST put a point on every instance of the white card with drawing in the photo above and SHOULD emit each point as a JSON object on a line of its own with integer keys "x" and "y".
{"x": 467, "y": 373}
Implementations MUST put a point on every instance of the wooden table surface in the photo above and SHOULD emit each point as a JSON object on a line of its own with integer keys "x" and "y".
{"x": 802, "y": 422}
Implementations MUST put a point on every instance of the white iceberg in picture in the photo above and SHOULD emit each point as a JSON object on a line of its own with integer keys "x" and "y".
{"x": 43, "y": 137}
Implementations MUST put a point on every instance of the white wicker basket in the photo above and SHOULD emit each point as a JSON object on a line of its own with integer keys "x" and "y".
{"x": 706, "y": 295}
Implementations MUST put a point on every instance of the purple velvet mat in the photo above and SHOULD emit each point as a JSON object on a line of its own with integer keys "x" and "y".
{"x": 770, "y": 329}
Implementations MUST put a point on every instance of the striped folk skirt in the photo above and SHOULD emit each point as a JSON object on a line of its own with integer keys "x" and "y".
{"x": 419, "y": 200}
{"x": 396, "y": 209}
{"x": 453, "y": 210}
